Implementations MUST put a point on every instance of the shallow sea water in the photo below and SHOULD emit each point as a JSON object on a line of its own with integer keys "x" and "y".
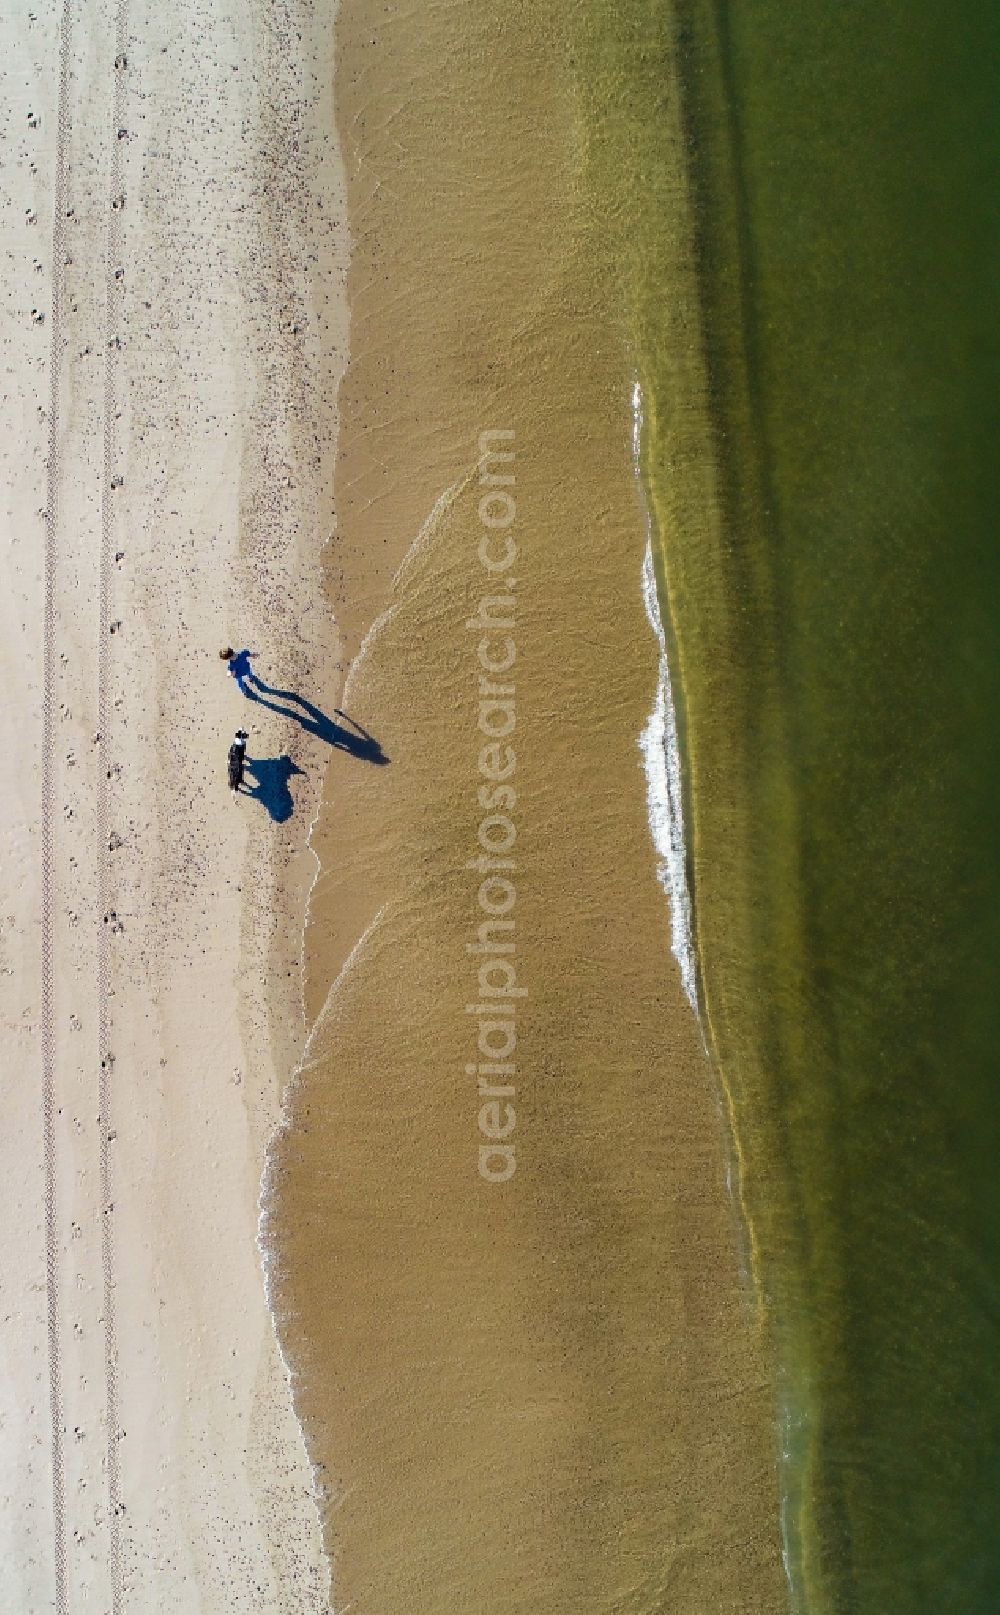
{"x": 836, "y": 649}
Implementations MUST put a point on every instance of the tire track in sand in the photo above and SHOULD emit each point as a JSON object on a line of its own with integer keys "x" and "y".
{"x": 48, "y": 1040}
{"x": 114, "y": 273}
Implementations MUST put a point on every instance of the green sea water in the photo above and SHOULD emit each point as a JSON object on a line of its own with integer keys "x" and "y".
{"x": 837, "y": 666}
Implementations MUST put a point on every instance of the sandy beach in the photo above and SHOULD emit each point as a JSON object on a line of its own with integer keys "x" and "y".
{"x": 172, "y": 327}
{"x": 264, "y": 397}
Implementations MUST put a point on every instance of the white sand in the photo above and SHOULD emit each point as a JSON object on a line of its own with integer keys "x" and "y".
{"x": 175, "y": 1478}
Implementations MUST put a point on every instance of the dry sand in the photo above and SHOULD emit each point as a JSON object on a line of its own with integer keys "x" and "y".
{"x": 174, "y": 224}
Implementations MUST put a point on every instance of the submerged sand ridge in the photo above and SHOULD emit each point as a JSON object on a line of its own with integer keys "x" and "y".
{"x": 547, "y": 1390}
{"x": 171, "y": 329}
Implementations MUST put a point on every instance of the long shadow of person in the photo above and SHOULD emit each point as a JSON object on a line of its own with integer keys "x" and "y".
{"x": 354, "y": 739}
{"x": 272, "y": 790}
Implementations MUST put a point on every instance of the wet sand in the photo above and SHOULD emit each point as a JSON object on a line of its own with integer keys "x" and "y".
{"x": 551, "y": 1390}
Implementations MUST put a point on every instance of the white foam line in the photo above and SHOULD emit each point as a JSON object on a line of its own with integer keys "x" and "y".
{"x": 662, "y": 758}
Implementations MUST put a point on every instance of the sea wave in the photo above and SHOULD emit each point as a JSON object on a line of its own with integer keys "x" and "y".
{"x": 661, "y": 757}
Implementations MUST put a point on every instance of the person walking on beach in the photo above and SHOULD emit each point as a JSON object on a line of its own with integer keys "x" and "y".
{"x": 237, "y": 756}
{"x": 239, "y": 664}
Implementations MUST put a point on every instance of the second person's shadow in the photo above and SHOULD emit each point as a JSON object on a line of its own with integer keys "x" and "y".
{"x": 272, "y": 790}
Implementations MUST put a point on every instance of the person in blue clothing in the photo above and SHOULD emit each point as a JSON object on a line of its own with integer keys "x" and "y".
{"x": 239, "y": 664}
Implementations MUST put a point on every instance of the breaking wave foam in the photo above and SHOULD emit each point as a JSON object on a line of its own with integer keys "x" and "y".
{"x": 661, "y": 758}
